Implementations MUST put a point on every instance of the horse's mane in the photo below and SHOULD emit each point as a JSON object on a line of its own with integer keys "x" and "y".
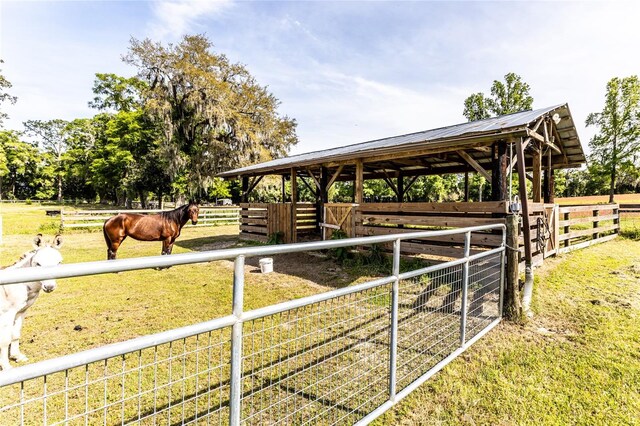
{"x": 175, "y": 215}
{"x": 22, "y": 261}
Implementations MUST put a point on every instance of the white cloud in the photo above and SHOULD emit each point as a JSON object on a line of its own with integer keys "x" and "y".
{"x": 177, "y": 17}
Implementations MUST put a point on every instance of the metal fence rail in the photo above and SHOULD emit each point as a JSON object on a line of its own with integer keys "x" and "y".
{"x": 339, "y": 357}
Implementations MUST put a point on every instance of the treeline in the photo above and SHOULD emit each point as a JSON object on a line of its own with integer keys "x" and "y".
{"x": 187, "y": 115}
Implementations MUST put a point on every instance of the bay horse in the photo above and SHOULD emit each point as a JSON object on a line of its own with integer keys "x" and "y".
{"x": 164, "y": 226}
{"x": 15, "y": 299}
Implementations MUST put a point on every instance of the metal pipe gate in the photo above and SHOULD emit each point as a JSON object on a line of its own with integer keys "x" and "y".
{"x": 339, "y": 357}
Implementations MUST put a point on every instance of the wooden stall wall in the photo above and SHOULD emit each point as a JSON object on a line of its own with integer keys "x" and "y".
{"x": 261, "y": 221}
{"x": 391, "y": 218}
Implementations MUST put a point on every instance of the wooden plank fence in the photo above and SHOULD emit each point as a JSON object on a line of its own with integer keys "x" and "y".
{"x": 209, "y": 216}
{"x": 582, "y": 226}
{"x": 261, "y": 221}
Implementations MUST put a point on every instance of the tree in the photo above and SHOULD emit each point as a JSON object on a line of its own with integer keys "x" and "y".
{"x": 618, "y": 137}
{"x": 50, "y": 135}
{"x": 25, "y": 169}
{"x": 214, "y": 114}
{"x": 506, "y": 98}
{"x": 4, "y": 96}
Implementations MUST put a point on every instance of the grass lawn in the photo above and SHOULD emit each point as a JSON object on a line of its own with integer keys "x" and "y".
{"x": 600, "y": 199}
{"x": 576, "y": 362}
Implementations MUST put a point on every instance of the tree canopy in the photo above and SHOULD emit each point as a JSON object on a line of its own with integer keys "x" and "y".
{"x": 618, "y": 139}
{"x": 5, "y": 96}
{"x": 214, "y": 114}
{"x": 507, "y": 97}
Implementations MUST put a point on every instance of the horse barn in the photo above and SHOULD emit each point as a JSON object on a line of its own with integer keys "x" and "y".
{"x": 531, "y": 143}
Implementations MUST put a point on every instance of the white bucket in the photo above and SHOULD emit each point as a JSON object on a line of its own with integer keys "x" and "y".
{"x": 266, "y": 265}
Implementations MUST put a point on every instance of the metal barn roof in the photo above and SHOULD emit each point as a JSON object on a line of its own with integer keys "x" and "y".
{"x": 456, "y": 137}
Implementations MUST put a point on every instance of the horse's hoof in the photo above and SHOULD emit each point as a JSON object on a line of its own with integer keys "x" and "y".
{"x": 19, "y": 358}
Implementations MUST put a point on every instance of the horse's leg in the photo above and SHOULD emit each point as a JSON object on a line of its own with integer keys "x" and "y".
{"x": 14, "y": 349}
{"x": 6, "y": 324}
{"x": 166, "y": 246}
{"x": 113, "y": 241}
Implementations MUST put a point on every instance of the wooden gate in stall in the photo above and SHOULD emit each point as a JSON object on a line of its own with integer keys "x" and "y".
{"x": 338, "y": 216}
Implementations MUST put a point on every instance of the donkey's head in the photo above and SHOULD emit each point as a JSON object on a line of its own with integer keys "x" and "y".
{"x": 47, "y": 255}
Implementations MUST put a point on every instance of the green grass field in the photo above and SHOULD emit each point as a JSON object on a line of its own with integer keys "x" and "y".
{"x": 576, "y": 362}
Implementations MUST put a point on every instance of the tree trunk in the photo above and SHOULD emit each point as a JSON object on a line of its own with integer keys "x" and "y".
{"x": 612, "y": 188}
{"x": 60, "y": 188}
{"x": 160, "y": 196}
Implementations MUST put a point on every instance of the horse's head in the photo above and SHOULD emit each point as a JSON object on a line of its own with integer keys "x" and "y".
{"x": 47, "y": 255}
{"x": 193, "y": 210}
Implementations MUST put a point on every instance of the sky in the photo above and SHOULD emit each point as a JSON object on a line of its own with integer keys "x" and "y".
{"x": 348, "y": 72}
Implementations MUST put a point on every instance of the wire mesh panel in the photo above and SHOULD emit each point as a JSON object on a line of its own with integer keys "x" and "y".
{"x": 483, "y": 297}
{"x": 325, "y": 359}
{"x": 182, "y": 382}
{"x": 428, "y": 321}
{"x": 325, "y": 363}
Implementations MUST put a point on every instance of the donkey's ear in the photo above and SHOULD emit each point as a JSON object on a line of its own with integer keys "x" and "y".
{"x": 57, "y": 241}
{"x": 37, "y": 241}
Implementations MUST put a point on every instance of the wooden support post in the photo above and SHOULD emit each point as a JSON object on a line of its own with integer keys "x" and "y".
{"x": 549, "y": 181}
{"x": 500, "y": 164}
{"x": 244, "y": 189}
{"x": 323, "y": 195}
{"x": 596, "y": 213}
{"x": 294, "y": 207}
{"x": 284, "y": 189}
{"x": 512, "y": 297}
{"x": 400, "y": 186}
{"x": 537, "y": 174}
{"x": 567, "y": 228}
{"x": 466, "y": 186}
{"x": 522, "y": 186}
{"x": 359, "y": 181}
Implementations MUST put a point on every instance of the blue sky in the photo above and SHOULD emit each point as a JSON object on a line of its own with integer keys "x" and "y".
{"x": 347, "y": 71}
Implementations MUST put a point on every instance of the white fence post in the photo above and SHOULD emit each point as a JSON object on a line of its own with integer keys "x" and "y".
{"x": 393, "y": 346}
{"x": 236, "y": 343}
{"x": 465, "y": 285}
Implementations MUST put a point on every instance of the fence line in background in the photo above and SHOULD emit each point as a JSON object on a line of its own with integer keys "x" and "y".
{"x": 585, "y": 225}
{"x": 209, "y": 216}
{"x": 343, "y": 356}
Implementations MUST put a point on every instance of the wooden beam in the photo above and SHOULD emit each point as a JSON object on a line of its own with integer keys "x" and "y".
{"x": 284, "y": 189}
{"x": 314, "y": 178}
{"x": 294, "y": 201}
{"x": 410, "y": 183}
{"x": 400, "y": 187}
{"x": 389, "y": 182}
{"x": 499, "y": 172}
{"x": 359, "y": 181}
{"x": 473, "y": 163}
{"x": 245, "y": 188}
{"x": 335, "y": 176}
{"x": 466, "y": 186}
{"x": 324, "y": 187}
{"x": 515, "y": 157}
{"x": 537, "y": 174}
{"x": 522, "y": 186}
{"x": 313, "y": 190}
{"x": 256, "y": 180}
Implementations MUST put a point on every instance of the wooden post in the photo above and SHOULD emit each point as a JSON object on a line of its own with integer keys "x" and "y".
{"x": 244, "y": 189}
{"x": 522, "y": 186}
{"x": 537, "y": 174}
{"x": 566, "y": 228}
{"x": 548, "y": 185}
{"x": 596, "y": 213}
{"x": 400, "y": 186}
{"x": 359, "y": 181}
{"x": 294, "y": 207}
{"x": 323, "y": 195}
{"x": 284, "y": 189}
{"x": 499, "y": 163}
{"x": 512, "y": 298}
{"x": 466, "y": 186}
